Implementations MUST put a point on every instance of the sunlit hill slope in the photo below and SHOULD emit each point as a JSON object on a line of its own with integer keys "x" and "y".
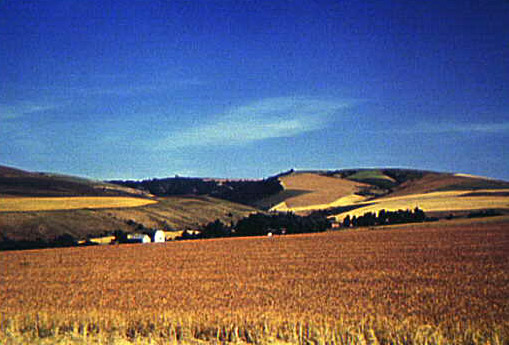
{"x": 356, "y": 192}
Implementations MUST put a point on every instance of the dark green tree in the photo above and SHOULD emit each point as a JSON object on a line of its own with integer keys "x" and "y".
{"x": 215, "y": 229}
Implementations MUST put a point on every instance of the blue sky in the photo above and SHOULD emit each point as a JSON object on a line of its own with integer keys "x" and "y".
{"x": 246, "y": 89}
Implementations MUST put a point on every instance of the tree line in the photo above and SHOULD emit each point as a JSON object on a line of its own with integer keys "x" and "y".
{"x": 261, "y": 224}
{"x": 386, "y": 217}
{"x": 241, "y": 191}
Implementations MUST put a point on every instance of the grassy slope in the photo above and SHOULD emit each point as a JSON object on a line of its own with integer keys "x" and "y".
{"x": 441, "y": 192}
{"x": 304, "y": 192}
{"x": 179, "y": 213}
{"x": 15, "y": 182}
{"x": 22, "y": 204}
{"x": 449, "y": 201}
{"x": 98, "y": 207}
{"x": 405, "y": 189}
{"x": 311, "y": 189}
{"x": 432, "y": 182}
{"x": 375, "y": 177}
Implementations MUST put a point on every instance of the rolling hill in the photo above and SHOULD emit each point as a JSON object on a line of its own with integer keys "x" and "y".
{"x": 310, "y": 191}
{"x": 16, "y": 182}
{"x": 356, "y": 192}
{"x": 43, "y": 207}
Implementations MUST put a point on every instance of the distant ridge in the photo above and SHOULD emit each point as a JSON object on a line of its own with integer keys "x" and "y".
{"x": 17, "y": 182}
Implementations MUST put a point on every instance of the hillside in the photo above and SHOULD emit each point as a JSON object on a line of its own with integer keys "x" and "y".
{"x": 356, "y": 191}
{"x": 43, "y": 207}
{"x": 308, "y": 191}
{"x": 40, "y": 207}
{"x": 247, "y": 192}
{"x": 16, "y": 182}
{"x": 441, "y": 182}
{"x": 176, "y": 213}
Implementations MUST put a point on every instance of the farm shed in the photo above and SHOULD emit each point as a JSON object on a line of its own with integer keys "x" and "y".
{"x": 138, "y": 238}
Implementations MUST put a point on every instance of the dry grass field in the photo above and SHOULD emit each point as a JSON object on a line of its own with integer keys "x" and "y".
{"x": 351, "y": 199}
{"x": 432, "y": 182}
{"x": 319, "y": 191}
{"x": 426, "y": 284}
{"x": 328, "y": 192}
{"x": 313, "y": 191}
{"x": 448, "y": 201}
{"x": 23, "y": 204}
{"x": 177, "y": 212}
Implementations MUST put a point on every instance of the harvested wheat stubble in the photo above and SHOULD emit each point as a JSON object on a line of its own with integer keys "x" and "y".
{"x": 443, "y": 284}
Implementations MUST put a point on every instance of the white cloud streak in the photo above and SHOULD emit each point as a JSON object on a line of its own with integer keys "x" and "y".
{"x": 265, "y": 119}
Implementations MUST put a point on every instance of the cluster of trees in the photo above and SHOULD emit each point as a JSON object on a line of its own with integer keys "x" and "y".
{"x": 484, "y": 213}
{"x": 386, "y": 217}
{"x": 260, "y": 224}
{"x": 280, "y": 223}
{"x": 241, "y": 191}
{"x": 64, "y": 240}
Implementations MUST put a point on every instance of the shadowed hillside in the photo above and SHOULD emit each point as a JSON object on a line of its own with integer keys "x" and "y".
{"x": 16, "y": 182}
{"x": 306, "y": 189}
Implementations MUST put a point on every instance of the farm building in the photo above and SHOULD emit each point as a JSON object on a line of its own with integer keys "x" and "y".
{"x": 157, "y": 236}
{"x": 138, "y": 238}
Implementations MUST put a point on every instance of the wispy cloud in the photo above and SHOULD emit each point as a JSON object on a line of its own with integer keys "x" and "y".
{"x": 264, "y": 119}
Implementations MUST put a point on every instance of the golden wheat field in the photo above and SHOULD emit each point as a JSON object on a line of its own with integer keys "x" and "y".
{"x": 436, "y": 202}
{"x": 432, "y": 284}
{"x": 429, "y": 202}
{"x": 15, "y": 204}
{"x": 319, "y": 191}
